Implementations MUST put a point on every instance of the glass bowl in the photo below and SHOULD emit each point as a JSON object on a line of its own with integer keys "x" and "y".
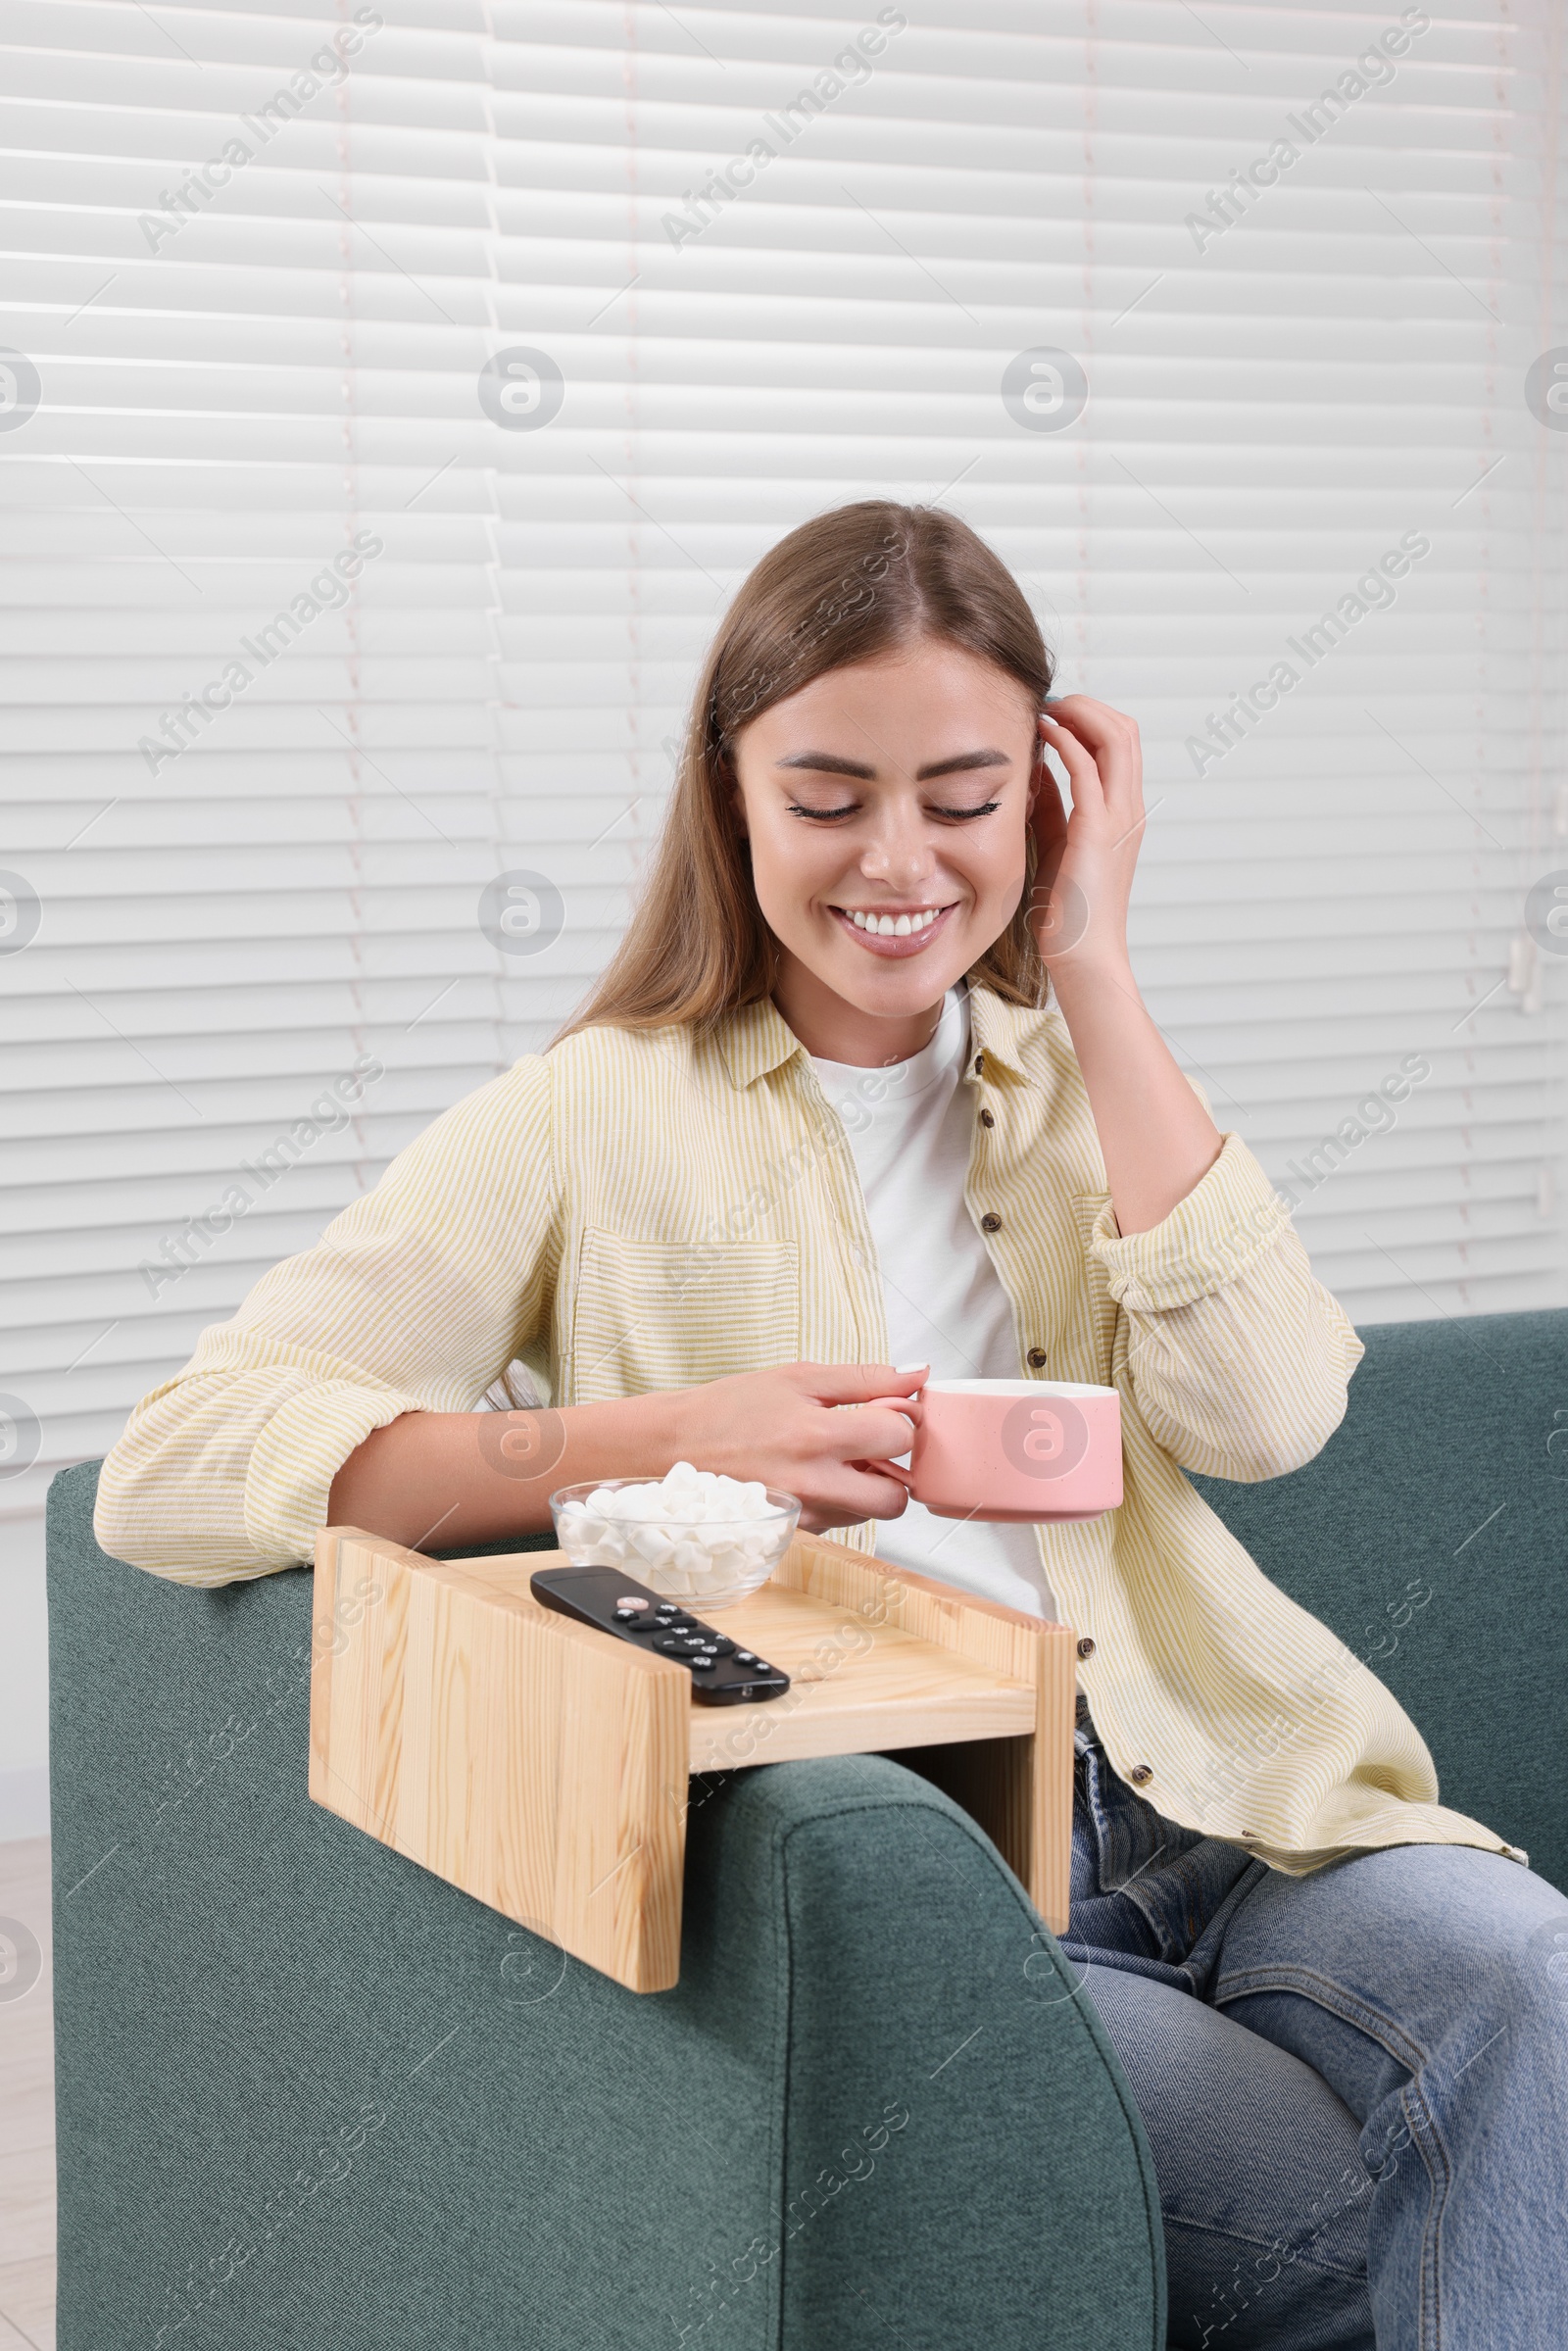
{"x": 709, "y": 1562}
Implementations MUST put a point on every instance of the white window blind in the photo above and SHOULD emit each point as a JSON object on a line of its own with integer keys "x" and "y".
{"x": 415, "y": 384}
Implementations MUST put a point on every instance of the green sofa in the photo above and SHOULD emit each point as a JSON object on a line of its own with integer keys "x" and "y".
{"x": 313, "y": 2100}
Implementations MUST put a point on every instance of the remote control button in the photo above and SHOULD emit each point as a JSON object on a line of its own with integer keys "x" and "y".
{"x": 672, "y": 1644}
{"x": 721, "y": 1648}
{"x": 702, "y": 1665}
{"x": 627, "y": 1616}
{"x": 629, "y": 1600}
{"x": 745, "y": 1656}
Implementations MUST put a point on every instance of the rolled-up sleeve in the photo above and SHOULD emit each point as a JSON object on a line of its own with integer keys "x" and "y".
{"x": 414, "y": 1299}
{"x": 1239, "y": 1360}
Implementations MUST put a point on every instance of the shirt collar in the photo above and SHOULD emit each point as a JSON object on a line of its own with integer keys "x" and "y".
{"x": 994, "y": 1026}
{"x": 758, "y": 1037}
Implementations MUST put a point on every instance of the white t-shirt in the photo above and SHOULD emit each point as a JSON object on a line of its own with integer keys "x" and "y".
{"x": 911, "y": 1128}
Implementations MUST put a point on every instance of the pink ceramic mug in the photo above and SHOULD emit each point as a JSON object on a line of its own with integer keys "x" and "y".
{"x": 1017, "y": 1451}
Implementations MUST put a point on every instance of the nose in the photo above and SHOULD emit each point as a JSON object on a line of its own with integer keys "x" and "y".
{"x": 899, "y": 856}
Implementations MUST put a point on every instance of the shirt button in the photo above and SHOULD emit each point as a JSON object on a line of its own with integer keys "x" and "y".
{"x": 990, "y": 1222}
{"x": 979, "y": 1065}
{"x": 1036, "y": 1358}
{"x": 1085, "y": 1647}
{"x": 986, "y": 1119}
{"x": 1141, "y": 1774}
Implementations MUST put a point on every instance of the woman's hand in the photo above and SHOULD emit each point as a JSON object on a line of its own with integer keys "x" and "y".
{"x": 451, "y": 1478}
{"x": 1155, "y": 1136}
{"x": 785, "y": 1428}
{"x": 1084, "y": 876}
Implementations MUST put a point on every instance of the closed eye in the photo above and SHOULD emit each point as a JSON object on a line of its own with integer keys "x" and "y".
{"x": 987, "y": 807}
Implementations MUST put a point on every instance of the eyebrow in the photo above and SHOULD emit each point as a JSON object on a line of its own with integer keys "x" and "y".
{"x": 828, "y": 763}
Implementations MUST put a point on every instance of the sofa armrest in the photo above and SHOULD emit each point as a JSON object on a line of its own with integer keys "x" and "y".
{"x": 310, "y": 2094}
{"x": 1016, "y": 2205}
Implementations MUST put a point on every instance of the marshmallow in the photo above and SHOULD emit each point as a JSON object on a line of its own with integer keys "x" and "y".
{"x": 691, "y": 1534}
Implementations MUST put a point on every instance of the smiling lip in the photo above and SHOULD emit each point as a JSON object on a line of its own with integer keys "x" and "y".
{"x": 873, "y": 942}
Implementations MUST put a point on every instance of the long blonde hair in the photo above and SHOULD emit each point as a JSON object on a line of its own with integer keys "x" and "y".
{"x": 863, "y": 580}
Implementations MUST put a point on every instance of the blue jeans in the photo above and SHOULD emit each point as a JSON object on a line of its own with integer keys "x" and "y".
{"x": 1355, "y": 2084}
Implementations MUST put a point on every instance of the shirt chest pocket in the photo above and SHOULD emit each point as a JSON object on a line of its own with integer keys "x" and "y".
{"x": 652, "y": 1315}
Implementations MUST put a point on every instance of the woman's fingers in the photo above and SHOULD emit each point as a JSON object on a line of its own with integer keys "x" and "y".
{"x": 857, "y": 1382}
{"x": 806, "y": 1427}
{"x": 1094, "y": 723}
{"x": 1109, "y": 739}
{"x": 1078, "y": 905}
{"x": 854, "y": 1487}
{"x": 862, "y": 1424}
{"x": 843, "y": 1501}
{"x": 1083, "y": 772}
{"x": 876, "y": 1432}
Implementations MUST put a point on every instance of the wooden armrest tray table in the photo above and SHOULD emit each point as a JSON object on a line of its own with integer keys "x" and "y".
{"x": 543, "y": 1767}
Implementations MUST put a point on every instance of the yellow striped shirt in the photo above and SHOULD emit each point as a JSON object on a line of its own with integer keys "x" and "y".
{"x": 637, "y": 1211}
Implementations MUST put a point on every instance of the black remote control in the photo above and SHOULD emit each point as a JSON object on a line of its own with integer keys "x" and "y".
{"x": 611, "y": 1601}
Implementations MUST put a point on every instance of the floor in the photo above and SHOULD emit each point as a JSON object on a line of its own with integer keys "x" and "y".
{"x": 27, "y": 2108}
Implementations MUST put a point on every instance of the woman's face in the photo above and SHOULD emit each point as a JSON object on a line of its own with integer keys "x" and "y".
{"x": 887, "y": 807}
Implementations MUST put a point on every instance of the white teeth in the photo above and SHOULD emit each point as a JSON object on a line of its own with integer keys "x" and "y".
{"x": 888, "y": 926}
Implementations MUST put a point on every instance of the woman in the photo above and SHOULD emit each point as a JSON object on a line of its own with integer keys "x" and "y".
{"x": 870, "y": 1077}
